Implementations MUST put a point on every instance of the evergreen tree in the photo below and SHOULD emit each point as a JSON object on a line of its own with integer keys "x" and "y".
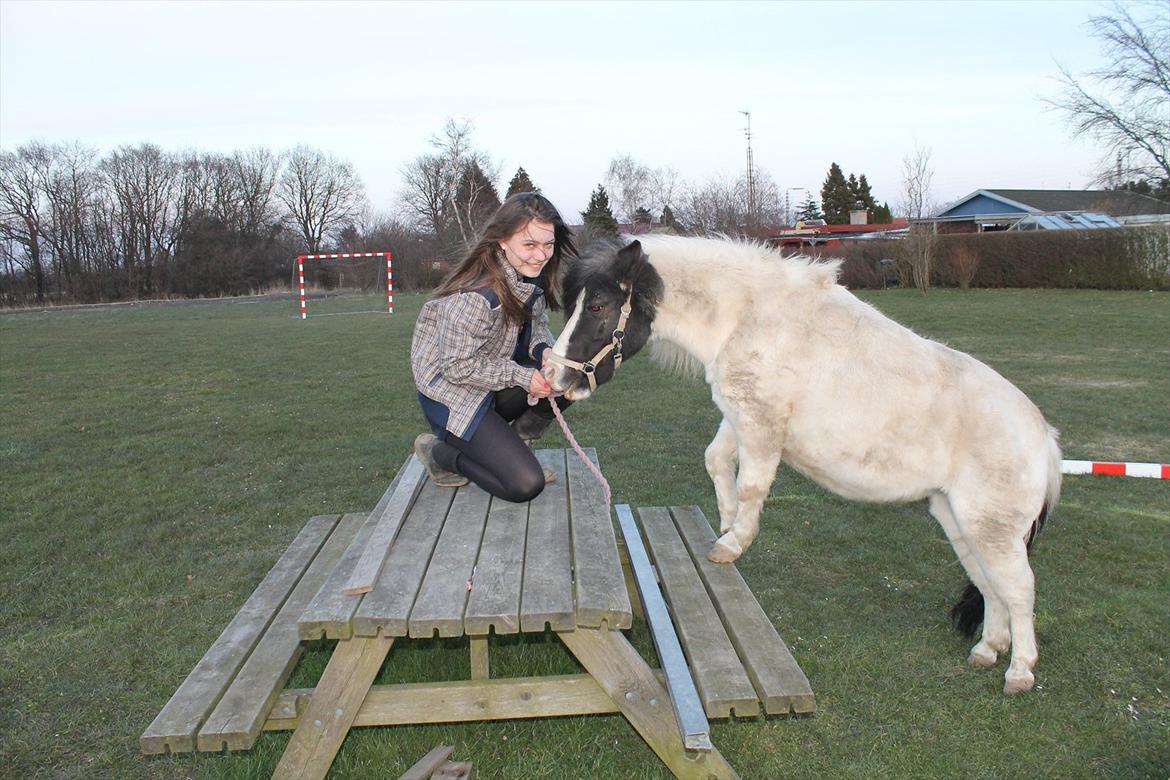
{"x": 668, "y": 219}
{"x": 881, "y": 215}
{"x": 643, "y": 215}
{"x": 836, "y": 196}
{"x": 521, "y": 183}
{"x": 598, "y": 217}
{"x": 476, "y": 197}
{"x": 809, "y": 210}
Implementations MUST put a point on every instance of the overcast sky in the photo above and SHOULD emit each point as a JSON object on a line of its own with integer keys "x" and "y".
{"x": 563, "y": 87}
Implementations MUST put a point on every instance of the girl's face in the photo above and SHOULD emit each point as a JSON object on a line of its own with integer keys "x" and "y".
{"x": 530, "y": 247}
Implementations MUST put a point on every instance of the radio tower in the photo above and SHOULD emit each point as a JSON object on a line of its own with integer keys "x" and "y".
{"x": 751, "y": 175}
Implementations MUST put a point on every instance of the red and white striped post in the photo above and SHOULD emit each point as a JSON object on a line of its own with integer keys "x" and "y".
{"x": 340, "y": 256}
{"x": 1148, "y": 470}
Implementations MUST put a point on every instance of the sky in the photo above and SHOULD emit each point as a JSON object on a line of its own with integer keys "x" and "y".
{"x": 561, "y": 88}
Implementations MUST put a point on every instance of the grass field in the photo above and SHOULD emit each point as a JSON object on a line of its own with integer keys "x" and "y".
{"x": 157, "y": 460}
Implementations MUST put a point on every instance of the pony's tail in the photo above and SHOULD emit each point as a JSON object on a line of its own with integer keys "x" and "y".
{"x": 967, "y": 613}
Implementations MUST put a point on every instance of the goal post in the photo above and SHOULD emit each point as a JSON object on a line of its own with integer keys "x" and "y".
{"x": 344, "y": 256}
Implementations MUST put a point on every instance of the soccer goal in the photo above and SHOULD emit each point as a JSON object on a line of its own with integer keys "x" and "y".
{"x": 301, "y": 259}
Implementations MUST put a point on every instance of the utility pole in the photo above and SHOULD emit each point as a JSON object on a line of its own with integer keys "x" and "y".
{"x": 751, "y": 175}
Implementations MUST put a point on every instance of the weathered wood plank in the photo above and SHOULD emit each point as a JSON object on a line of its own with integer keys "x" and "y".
{"x": 723, "y": 684}
{"x": 494, "y": 599}
{"x": 779, "y": 681}
{"x": 331, "y": 712}
{"x": 455, "y": 770}
{"x": 330, "y": 612}
{"x": 621, "y": 672}
{"x": 599, "y": 584}
{"x": 460, "y": 701}
{"x": 443, "y": 594}
{"x": 426, "y": 766}
{"x": 365, "y": 573}
{"x": 236, "y": 720}
{"x": 175, "y": 726}
{"x": 387, "y": 607}
{"x": 547, "y": 597}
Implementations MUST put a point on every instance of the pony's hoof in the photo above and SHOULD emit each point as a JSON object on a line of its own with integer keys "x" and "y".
{"x": 982, "y": 658}
{"x": 726, "y": 550}
{"x": 1019, "y": 684}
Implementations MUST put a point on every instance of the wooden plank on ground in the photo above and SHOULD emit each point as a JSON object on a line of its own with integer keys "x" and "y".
{"x": 723, "y": 684}
{"x": 237, "y": 719}
{"x": 494, "y": 599}
{"x": 426, "y": 766}
{"x": 387, "y": 607}
{"x": 778, "y": 679}
{"x": 547, "y": 597}
{"x": 365, "y": 573}
{"x": 330, "y": 612}
{"x": 175, "y": 726}
{"x": 443, "y": 593}
{"x": 599, "y": 584}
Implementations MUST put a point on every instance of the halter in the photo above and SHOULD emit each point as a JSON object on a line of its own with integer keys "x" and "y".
{"x": 615, "y": 345}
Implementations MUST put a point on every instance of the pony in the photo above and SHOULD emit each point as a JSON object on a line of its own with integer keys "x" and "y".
{"x": 804, "y": 372}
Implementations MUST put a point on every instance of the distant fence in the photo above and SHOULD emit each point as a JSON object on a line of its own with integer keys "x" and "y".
{"x": 1132, "y": 258}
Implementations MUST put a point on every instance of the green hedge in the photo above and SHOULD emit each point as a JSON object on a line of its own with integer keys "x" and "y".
{"x": 1132, "y": 258}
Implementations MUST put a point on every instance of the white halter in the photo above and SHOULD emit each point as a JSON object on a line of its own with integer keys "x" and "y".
{"x": 615, "y": 345}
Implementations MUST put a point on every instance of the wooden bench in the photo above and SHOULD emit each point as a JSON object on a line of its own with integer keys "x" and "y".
{"x": 457, "y": 563}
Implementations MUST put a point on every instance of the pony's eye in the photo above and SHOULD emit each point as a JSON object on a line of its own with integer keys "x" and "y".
{"x": 595, "y": 309}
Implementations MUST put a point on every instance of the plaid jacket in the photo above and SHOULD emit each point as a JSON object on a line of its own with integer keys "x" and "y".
{"x": 463, "y": 350}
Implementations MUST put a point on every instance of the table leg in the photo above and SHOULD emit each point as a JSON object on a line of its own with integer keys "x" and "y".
{"x": 624, "y": 675}
{"x": 347, "y": 678}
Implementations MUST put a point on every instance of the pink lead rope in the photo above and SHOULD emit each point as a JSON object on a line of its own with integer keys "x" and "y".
{"x": 532, "y": 400}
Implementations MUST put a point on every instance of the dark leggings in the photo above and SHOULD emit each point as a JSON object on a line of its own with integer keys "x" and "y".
{"x": 495, "y": 457}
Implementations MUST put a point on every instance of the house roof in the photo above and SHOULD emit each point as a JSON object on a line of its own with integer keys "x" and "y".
{"x": 1001, "y": 203}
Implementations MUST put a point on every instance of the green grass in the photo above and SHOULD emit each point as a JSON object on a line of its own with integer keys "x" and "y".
{"x": 157, "y": 460}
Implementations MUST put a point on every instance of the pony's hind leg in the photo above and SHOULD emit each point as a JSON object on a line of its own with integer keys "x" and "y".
{"x": 720, "y": 459}
{"x": 758, "y": 461}
{"x": 996, "y": 636}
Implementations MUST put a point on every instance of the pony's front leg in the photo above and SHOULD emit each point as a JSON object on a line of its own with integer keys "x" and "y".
{"x": 757, "y": 470}
{"x": 720, "y": 459}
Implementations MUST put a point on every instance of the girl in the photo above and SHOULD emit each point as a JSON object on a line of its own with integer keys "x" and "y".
{"x": 478, "y": 347}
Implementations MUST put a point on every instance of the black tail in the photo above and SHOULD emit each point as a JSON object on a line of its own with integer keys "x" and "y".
{"x": 967, "y": 613}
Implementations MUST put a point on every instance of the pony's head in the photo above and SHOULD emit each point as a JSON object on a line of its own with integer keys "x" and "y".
{"x": 611, "y": 295}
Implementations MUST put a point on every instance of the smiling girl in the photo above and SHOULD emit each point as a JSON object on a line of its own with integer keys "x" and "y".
{"x": 478, "y": 347}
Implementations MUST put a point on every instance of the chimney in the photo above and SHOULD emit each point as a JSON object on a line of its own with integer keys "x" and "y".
{"x": 858, "y": 217}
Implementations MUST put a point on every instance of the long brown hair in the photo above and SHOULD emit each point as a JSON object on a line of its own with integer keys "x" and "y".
{"x": 481, "y": 267}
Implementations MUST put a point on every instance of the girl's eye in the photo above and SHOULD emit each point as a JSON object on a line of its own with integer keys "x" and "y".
{"x": 595, "y": 309}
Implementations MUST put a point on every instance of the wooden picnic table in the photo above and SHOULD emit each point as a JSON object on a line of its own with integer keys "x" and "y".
{"x": 433, "y": 561}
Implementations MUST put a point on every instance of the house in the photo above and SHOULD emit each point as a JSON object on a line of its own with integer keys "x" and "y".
{"x": 990, "y": 210}
{"x": 817, "y": 233}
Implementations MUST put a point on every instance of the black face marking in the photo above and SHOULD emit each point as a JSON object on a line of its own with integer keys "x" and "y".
{"x": 607, "y": 274}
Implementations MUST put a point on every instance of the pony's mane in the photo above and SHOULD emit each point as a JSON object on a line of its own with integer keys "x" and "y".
{"x": 742, "y": 257}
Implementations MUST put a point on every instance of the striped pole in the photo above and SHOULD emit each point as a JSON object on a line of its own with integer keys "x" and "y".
{"x": 1150, "y": 470}
{"x": 339, "y": 256}
{"x": 301, "y": 277}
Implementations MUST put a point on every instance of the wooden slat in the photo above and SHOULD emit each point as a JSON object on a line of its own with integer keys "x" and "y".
{"x": 330, "y": 612}
{"x": 778, "y": 679}
{"x": 621, "y": 672}
{"x": 495, "y": 590}
{"x": 460, "y": 701}
{"x": 387, "y": 607}
{"x": 547, "y": 597}
{"x": 599, "y": 584}
{"x": 364, "y": 575}
{"x": 723, "y": 684}
{"x": 443, "y": 594}
{"x": 426, "y": 766}
{"x": 175, "y": 726}
{"x": 237, "y": 719}
{"x": 330, "y": 714}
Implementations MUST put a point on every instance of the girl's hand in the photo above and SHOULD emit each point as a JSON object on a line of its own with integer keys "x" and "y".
{"x": 538, "y": 386}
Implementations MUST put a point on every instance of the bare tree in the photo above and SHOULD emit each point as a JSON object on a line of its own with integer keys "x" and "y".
{"x": 917, "y": 250}
{"x": 632, "y": 185}
{"x": 22, "y": 206}
{"x": 321, "y": 193}
{"x": 1126, "y": 103}
{"x": 720, "y": 205}
{"x": 145, "y": 181}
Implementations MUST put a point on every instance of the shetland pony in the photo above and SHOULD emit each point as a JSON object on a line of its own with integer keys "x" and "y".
{"x": 806, "y": 373}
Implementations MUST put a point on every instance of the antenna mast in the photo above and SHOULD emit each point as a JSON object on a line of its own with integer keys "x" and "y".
{"x": 751, "y": 171}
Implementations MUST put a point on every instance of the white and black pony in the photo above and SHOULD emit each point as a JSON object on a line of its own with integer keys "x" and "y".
{"x": 806, "y": 373}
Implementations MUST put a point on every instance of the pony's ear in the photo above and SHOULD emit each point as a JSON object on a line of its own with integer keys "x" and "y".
{"x": 629, "y": 262}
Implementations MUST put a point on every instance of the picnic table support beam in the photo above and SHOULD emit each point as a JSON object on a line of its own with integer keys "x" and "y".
{"x": 343, "y": 687}
{"x": 623, "y": 674}
{"x": 480, "y": 667}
